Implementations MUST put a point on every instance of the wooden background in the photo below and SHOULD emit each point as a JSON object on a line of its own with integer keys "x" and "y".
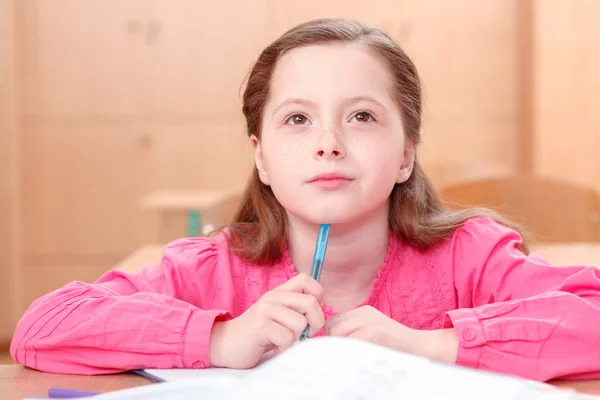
{"x": 103, "y": 102}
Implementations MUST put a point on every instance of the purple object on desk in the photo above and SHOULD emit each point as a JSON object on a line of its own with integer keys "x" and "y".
{"x": 147, "y": 375}
{"x": 58, "y": 393}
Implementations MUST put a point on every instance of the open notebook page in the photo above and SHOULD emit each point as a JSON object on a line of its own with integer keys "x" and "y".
{"x": 219, "y": 374}
{"x": 214, "y": 374}
{"x": 335, "y": 368}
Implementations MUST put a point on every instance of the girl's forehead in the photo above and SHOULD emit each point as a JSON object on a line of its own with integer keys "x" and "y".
{"x": 348, "y": 70}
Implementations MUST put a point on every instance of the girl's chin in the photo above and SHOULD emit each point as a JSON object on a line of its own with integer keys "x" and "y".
{"x": 337, "y": 217}
{"x": 344, "y": 212}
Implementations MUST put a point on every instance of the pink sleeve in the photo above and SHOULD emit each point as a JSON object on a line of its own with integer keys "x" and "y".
{"x": 160, "y": 317}
{"x": 519, "y": 315}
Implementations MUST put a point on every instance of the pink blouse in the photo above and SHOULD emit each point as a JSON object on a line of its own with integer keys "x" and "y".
{"x": 513, "y": 314}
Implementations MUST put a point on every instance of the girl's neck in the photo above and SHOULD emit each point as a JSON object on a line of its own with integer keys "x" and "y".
{"x": 355, "y": 252}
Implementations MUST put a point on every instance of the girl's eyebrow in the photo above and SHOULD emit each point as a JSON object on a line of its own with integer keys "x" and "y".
{"x": 357, "y": 99}
{"x": 309, "y": 103}
{"x": 287, "y": 102}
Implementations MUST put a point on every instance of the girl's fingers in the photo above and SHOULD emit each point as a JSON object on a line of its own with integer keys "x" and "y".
{"x": 303, "y": 283}
{"x": 289, "y": 318}
{"x": 303, "y": 304}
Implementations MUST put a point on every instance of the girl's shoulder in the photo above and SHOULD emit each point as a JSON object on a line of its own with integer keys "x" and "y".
{"x": 477, "y": 239}
{"x": 203, "y": 251}
{"x": 485, "y": 233}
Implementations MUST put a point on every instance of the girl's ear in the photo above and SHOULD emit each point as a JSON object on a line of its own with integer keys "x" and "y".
{"x": 406, "y": 168}
{"x": 258, "y": 160}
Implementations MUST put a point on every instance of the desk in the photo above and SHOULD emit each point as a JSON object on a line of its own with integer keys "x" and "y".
{"x": 147, "y": 255}
{"x": 569, "y": 253}
{"x": 17, "y": 382}
{"x": 188, "y": 213}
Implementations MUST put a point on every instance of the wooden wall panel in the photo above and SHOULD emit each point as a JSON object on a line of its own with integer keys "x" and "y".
{"x": 83, "y": 59}
{"x": 197, "y": 54}
{"x": 83, "y": 185}
{"x": 567, "y": 90}
{"x": 193, "y": 157}
{"x": 9, "y": 175}
{"x": 465, "y": 52}
{"x": 81, "y": 188}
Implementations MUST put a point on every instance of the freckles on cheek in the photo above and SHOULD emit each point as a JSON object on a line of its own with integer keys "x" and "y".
{"x": 292, "y": 150}
{"x": 280, "y": 155}
{"x": 386, "y": 161}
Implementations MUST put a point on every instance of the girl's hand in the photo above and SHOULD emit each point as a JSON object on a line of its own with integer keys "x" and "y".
{"x": 369, "y": 324}
{"x": 275, "y": 322}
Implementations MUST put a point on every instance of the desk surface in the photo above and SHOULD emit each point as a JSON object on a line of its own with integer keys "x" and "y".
{"x": 17, "y": 383}
{"x": 147, "y": 255}
{"x": 570, "y": 253}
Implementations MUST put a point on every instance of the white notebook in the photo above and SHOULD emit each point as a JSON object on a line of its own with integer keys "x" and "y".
{"x": 168, "y": 375}
{"x": 336, "y": 368}
{"x": 216, "y": 374}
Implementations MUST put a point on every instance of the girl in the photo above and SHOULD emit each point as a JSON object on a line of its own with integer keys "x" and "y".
{"x": 333, "y": 111}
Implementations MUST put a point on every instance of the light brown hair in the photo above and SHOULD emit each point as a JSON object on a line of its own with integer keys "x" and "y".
{"x": 416, "y": 214}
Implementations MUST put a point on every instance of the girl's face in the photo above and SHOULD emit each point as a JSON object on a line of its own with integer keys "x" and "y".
{"x": 333, "y": 142}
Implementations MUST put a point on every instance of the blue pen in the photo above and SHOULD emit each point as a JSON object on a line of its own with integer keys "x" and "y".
{"x": 59, "y": 393}
{"x": 317, "y": 265}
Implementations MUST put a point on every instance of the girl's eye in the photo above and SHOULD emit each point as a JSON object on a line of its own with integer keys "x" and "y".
{"x": 362, "y": 116}
{"x": 298, "y": 119}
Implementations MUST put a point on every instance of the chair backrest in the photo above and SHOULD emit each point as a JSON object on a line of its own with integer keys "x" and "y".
{"x": 451, "y": 173}
{"x": 551, "y": 211}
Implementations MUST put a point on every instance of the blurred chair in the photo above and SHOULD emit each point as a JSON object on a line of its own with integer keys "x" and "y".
{"x": 447, "y": 174}
{"x": 551, "y": 211}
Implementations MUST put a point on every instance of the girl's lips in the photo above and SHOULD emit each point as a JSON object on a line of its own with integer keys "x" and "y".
{"x": 330, "y": 181}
